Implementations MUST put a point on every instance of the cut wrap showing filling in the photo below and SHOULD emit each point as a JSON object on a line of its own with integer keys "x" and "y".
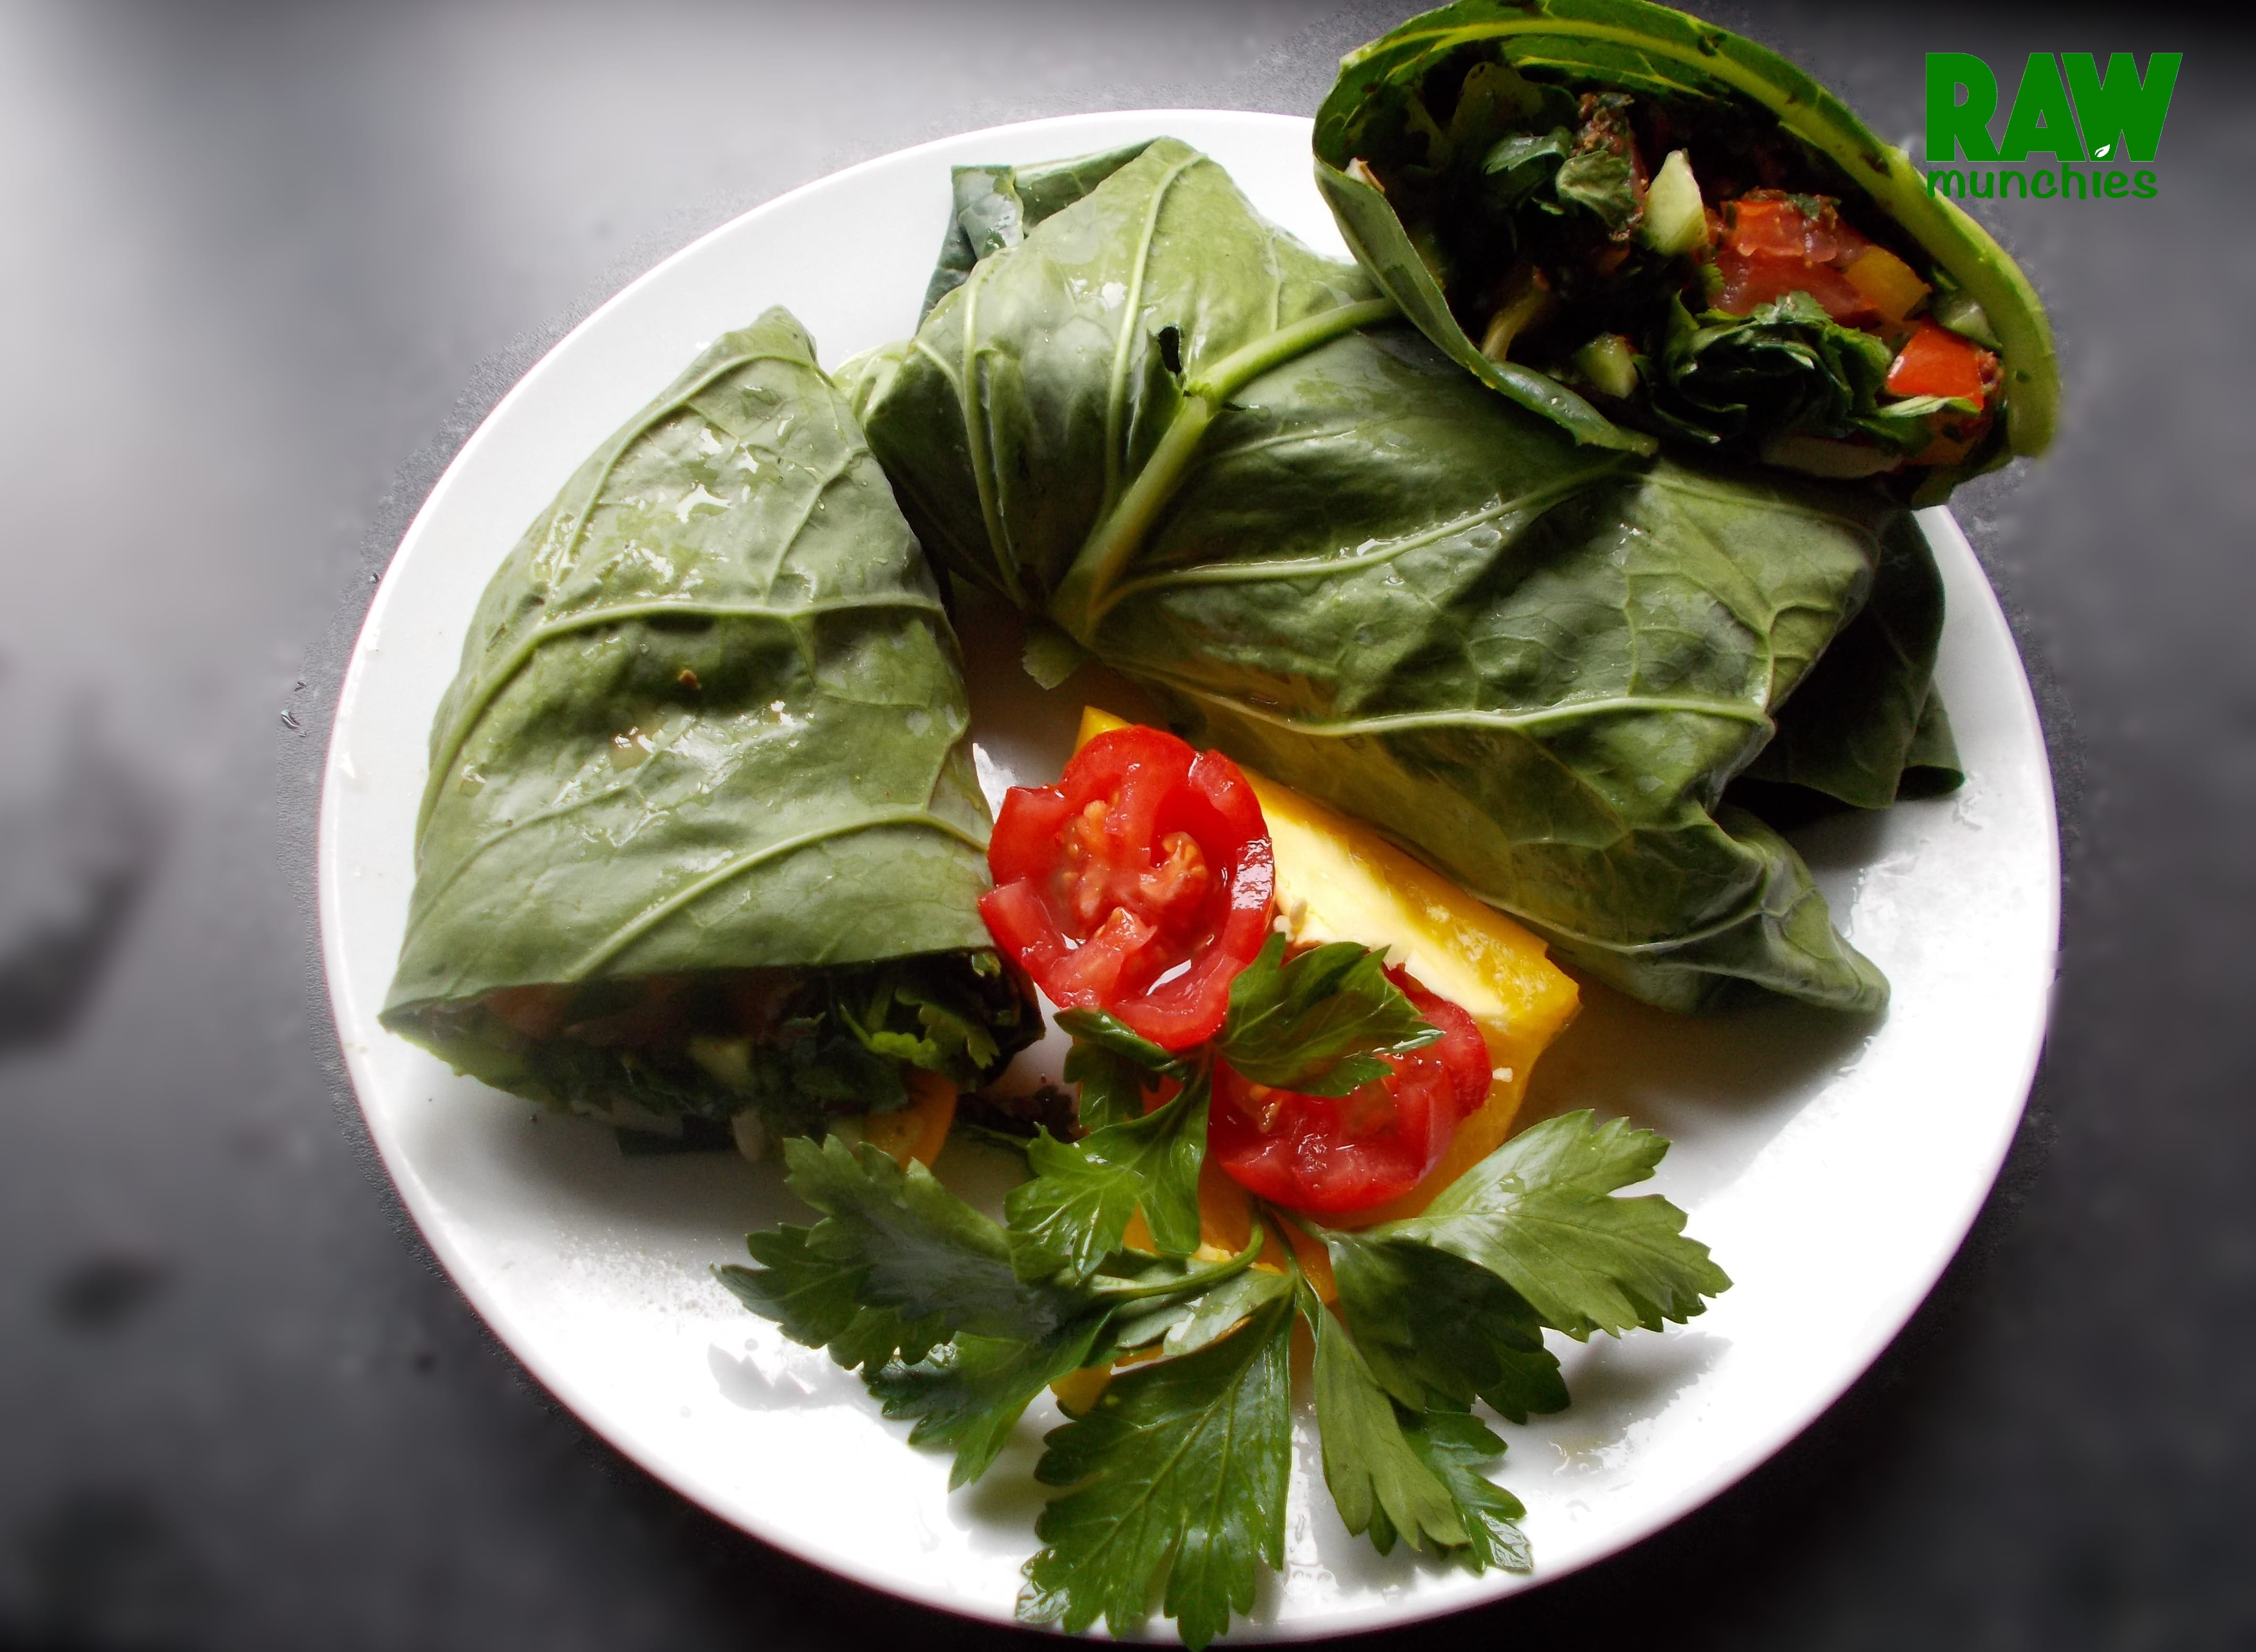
{"x": 1684, "y": 239}
{"x": 702, "y": 848}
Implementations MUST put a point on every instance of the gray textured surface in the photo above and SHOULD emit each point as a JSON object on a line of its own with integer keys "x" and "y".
{"x": 266, "y": 267}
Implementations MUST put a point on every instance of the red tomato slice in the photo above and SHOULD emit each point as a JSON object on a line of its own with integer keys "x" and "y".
{"x": 1139, "y": 883}
{"x": 1936, "y": 361}
{"x": 1766, "y": 223}
{"x": 1331, "y": 1155}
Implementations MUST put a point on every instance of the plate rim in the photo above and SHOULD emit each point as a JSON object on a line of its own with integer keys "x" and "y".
{"x": 1944, "y": 533}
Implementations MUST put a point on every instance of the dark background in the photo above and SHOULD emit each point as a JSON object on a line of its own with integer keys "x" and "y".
{"x": 263, "y": 268}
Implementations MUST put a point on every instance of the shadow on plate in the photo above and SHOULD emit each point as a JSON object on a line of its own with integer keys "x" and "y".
{"x": 1622, "y": 1057}
{"x": 574, "y": 1169}
{"x": 784, "y": 1378}
{"x": 1617, "y": 1385}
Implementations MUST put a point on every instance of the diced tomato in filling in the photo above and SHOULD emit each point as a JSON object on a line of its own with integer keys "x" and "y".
{"x": 1769, "y": 245}
{"x": 1936, "y": 361}
{"x": 1751, "y": 283}
{"x": 1330, "y": 1155}
{"x": 1772, "y": 247}
{"x": 1139, "y": 883}
{"x": 1768, "y": 223}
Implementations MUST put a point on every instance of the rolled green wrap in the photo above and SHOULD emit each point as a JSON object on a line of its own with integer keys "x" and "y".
{"x": 1437, "y": 104}
{"x": 1187, "y": 445}
{"x": 701, "y": 832}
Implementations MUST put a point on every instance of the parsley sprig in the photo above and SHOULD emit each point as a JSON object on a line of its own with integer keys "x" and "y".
{"x": 1172, "y": 1481}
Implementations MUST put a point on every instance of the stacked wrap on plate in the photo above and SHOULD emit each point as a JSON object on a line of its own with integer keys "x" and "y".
{"x": 701, "y": 841}
{"x": 1185, "y": 444}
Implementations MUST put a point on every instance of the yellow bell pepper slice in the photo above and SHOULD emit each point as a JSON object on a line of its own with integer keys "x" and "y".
{"x": 1338, "y": 879}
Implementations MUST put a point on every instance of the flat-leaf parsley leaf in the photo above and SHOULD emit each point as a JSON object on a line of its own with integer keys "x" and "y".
{"x": 1539, "y": 1213}
{"x": 1319, "y": 1023}
{"x": 1179, "y": 1468}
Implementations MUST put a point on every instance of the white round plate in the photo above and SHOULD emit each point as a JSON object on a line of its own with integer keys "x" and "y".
{"x": 1833, "y": 1164}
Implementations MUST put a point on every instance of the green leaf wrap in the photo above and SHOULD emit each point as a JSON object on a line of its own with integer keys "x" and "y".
{"x": 1343, "y": 562}
{"x": 711, "y": 718}
{"x": 1630, "y": 46}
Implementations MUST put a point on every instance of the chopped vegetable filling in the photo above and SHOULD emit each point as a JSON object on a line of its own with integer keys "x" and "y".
{"x": 1742, "y": 295}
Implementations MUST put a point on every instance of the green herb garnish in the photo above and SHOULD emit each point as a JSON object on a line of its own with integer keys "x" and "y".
{"x": 1171, "y": 1486}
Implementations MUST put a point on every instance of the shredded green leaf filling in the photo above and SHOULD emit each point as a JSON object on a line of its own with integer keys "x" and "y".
{"x": 794, "y": 1048}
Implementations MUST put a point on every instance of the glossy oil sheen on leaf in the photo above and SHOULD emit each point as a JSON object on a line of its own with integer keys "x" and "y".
{"x": 1538, "y": 664}
{"x": 710, "y": 716}
{"x": 994, "y": 207}
{"x": 1215, "y": 1314}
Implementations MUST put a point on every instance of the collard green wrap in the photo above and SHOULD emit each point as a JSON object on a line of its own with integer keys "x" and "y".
{"x": 1397, "y": 101}
{"x": 701, "y": 831}
{"x": 1208, "y": 457}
